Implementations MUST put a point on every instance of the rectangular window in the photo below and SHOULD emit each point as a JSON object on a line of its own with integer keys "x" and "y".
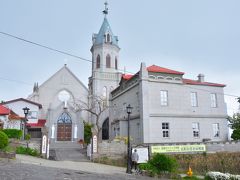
{"x": 195, "y": 128}
{"x": 213, "y": 100}
{"x": 194, "y": 102}
{"x": 165, "y": 129}
{"x": 164, "y": 98}
{"x": 216, "y": 130}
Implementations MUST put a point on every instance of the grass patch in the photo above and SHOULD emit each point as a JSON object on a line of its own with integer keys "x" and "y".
{"x": 27, "y": 151}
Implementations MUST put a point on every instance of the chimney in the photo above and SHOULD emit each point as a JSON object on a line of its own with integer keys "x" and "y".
{"x": 201, "y": 78}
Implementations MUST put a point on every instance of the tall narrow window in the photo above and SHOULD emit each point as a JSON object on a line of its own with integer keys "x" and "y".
{"x": 108, "y": 38}
{"x": 98, "y": 61}
{"x": 104, "y": 93}
{"x": 165, "y": 129}
{"x": 164, "y": 98}
{"x": 216, "y": 130}
{"x": 194, "y": 102}
{"x": 213, "y": 100}
{"x": 195, "y": 128}
{"x": 116, "y": 63}
{"x": 108, "y": 61}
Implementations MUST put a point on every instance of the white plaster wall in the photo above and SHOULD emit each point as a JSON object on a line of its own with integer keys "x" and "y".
{"x": 180, "y": 114}
{"x": 181, "y": 129}
{"x": 179, "y": 102}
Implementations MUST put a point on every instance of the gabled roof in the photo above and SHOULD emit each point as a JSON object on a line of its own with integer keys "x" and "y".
{"x": 159, "y": 69}
{"x": 4, "y": 110}
{"x": 195, "y": 82}
{"x": 70, "y": 72}
{"x": 105, "y": 28}
{"x": 25, "y": 100}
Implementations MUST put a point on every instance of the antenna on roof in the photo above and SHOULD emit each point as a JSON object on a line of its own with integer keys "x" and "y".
{"x": 105, "y": 11}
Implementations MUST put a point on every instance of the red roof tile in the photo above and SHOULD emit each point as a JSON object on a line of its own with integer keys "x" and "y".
{"x": 127, "y": 76}
{"x": 155, "y": 68}
{"x": 194, "y": 82}
{"x": 4, "y": 110}
{"x": 40, "y": 123}
{"x": 14, "y": 116}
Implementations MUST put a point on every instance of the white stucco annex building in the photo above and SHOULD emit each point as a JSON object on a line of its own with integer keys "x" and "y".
{"x": 166, "y": 106}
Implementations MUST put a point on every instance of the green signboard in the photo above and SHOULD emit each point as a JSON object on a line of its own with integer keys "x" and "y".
{"x": 178, "y": 148}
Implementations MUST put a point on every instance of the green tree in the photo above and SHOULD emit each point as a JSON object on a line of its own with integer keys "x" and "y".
{"x": 234, "y": 123}
{"x": 87, "y": 132}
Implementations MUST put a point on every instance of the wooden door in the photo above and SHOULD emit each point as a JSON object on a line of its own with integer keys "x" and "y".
{"x": 64, "y": 132}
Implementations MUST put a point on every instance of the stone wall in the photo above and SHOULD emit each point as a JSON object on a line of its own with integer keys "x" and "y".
{"x": 34, "y": 143}
{"x": 9, "y": 155}
{"x": 118, "y": 149}
{"x": 113, "y": 149}
{"x": 229, "y": 146}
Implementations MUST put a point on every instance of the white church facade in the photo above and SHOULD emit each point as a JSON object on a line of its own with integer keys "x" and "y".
{"x": 57, "y": 96}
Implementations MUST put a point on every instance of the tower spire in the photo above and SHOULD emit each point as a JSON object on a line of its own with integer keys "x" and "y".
{"x": 105, "y": 11}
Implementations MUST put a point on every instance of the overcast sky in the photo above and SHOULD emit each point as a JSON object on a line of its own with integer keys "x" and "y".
{"x": 199, "y": 36}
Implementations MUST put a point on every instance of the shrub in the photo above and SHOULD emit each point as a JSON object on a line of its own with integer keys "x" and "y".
{"x": 3, "y": 140}
{"x": 163, "y": 163}
{"x": 13, "y": 133}
{"x": 27, "y": 137}
{"x": 27, "y": 151}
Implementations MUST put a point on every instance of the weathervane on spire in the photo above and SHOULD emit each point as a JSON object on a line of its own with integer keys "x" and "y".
{"x": 105, "y": 12}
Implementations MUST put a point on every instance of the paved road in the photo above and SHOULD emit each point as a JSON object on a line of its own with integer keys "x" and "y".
{"x": 29, "y": 168}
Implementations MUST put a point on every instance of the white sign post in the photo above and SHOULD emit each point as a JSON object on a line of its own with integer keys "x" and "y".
{"x": 95, "y": 144}
{"x": 44, "y": 144}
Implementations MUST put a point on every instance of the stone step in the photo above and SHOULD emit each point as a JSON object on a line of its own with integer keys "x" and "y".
{"x": 65, "y": 145}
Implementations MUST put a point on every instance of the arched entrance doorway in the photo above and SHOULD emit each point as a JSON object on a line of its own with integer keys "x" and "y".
{"x": 105, "y": 129}
{"x": 64, "y": 127}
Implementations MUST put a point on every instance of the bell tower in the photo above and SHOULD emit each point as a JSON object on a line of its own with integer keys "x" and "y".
{"x": 105, "y": 60}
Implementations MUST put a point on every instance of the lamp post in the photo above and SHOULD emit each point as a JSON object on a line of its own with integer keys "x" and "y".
{"x": 129, "y": 111}
{"x": 25, "y": 110}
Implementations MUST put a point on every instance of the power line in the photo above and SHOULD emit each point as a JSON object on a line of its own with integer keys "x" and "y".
{"x": 17, "y": 81}
{"x": 54, "y": 49}
{"x": 75, "y": 56}
{"x": 46, "y": 47}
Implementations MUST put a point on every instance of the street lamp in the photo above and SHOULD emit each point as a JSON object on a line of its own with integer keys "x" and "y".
{"x": 129, "y": 111}
{"x": 25, "y": 110}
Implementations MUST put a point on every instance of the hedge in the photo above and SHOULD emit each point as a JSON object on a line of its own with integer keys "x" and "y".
{"x": 13, "y": 133}
{"x": 3, "y": 140}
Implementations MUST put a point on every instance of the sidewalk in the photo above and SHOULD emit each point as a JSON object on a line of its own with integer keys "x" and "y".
{"x": 80, "y": 166}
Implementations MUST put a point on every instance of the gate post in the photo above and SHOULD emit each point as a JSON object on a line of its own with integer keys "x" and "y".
{"x": 45, "y": 143}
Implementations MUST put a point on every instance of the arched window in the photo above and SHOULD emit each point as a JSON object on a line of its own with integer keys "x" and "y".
{"x": 108, "y": 61}
{"x": 116, "y": 63}
{"x": 98, "y": 61}
{"x": 104, "y": 93}
{"x": 64, "y": 118}
{"x": 108, "y": 38}
{"x": 105, "y": 129}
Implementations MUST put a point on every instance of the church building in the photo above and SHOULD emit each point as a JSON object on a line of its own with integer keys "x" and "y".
{"x": 167, "y": 108}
